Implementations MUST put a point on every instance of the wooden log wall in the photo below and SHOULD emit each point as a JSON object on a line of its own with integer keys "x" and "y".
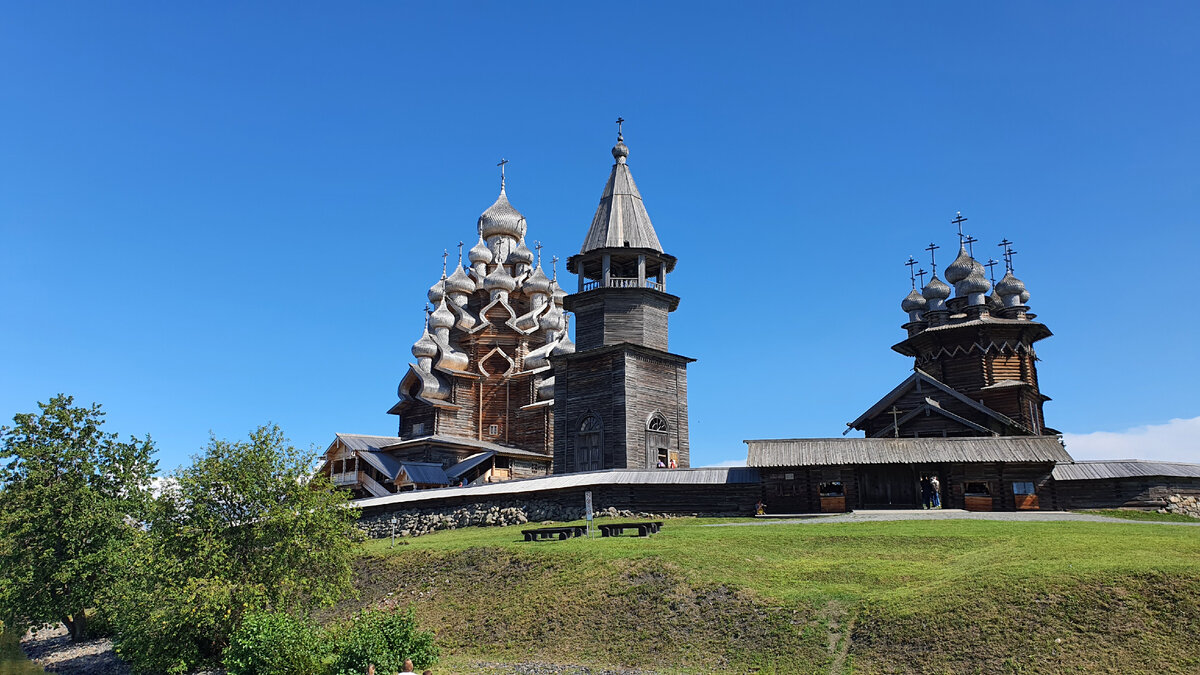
{"x": 1112, "y": 493}
{"x": 655, "y": 385}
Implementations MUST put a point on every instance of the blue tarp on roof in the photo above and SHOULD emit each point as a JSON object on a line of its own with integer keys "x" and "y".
{"x": 469, "y": 463}
{"x": 425, "y": 473}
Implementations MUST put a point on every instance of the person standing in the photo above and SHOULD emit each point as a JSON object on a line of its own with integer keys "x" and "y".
{"x": 935, "y": 488}
{"x": 926, "y": 491}
{"x": 408, "y": 668}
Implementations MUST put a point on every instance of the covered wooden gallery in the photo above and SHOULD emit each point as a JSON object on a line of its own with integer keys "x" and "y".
{"x": 812, "y": 475}
{"x": 1133, "y": 483}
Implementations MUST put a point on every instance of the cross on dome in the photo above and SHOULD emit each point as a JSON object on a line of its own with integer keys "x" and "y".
{"x": 932, "y": 248}
{"x": 501, "y": 165}
{"x": 959, "y": 220}
{"x": 990, "y": 264}
{"x": 1008, "y": 253}
{"x": 911, "y": 275}
{"x": 921, "y": 275}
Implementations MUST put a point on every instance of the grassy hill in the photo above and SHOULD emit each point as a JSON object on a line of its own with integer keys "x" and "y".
{"x": 914, "y": 596}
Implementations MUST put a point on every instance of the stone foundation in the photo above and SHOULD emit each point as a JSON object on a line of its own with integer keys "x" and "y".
{"x": 1187, "y": 506}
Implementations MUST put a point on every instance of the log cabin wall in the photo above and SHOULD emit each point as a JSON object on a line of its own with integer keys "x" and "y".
{"x": 1136, "y": 492}
{"x": 655, "y": 385}
{"x": 589, "y": 383}
{"x": 609, "y": 316}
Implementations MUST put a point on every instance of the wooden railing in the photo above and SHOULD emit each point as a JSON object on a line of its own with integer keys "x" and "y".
{"x": 621, "y": 282}
{"x": 344, "y": 478}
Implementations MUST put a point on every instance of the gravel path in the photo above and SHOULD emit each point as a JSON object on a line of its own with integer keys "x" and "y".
{"x": 52, "y": 649}
{"x": 952, "y": 514}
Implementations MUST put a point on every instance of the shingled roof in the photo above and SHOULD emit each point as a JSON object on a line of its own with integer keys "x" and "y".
{"x": 834, "y": 451}
{"x": 621, "y": 219}
{"x": 1124, "y": 468}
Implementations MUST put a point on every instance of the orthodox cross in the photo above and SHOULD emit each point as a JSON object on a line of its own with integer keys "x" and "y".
{"x": 921, "y": 275}
{"x": 911, "y": 275}
{"x": 992, "y": 262}
{"x": 620, "y": 121}
{"x": 959, "y": 220}
{"x": 970, "y": 242}
{"x": 896, "y": 420}
{"x": 460, "y": 245}
{"x": 427, "y": 312}
{"x": 1008, "y": 253}
{"x": 445, "y": 254}
{"x": 501, "y": 165}
{"x": 554, "y": 262}
{"x": 933, "y": 256}
{"x": 538, "y": 245}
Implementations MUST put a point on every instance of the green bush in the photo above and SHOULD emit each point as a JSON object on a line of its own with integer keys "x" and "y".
{"x": 384, "y": 638}
{"x": 277, "y": 644}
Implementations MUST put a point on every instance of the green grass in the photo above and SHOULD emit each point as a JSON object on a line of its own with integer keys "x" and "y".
{"x": 12, "y": 659}
{"x": 913, "y": 596}
{"x": 1135, "y": 514}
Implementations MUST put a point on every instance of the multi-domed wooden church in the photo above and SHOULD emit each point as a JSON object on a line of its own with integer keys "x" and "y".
{"x": 498, "y": 392}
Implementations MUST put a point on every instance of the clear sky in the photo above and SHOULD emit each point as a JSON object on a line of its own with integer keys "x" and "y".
{"x": 218, "y": 214}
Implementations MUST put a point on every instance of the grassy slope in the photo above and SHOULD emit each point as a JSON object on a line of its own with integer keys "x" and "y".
{"x": 1136, "y": 514}
{"x": 917, "y": 596}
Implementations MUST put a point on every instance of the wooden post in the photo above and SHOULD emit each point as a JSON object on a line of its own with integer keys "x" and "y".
{"x": 607, "y": 269}
{"x": 642, "y": 270}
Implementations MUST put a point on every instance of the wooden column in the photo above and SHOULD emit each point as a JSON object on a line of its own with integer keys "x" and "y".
{"x": 642, "y": 270}
{"x": 606, "y": 268}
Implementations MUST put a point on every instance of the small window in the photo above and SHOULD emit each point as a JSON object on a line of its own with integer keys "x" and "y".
{"x": 658, "y": 423}
{"x": 833, "y": 489}
{"x": 789, "y": 476}
{"x": 418, "y": 428}
{"x": 1023, "y": 488}
{"x": 977, "y": 490}
{"x": 494, "y": 429}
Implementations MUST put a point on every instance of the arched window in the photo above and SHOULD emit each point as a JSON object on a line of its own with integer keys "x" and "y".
{"x": 658, "y": 423}
{"x": 588, "y": 453}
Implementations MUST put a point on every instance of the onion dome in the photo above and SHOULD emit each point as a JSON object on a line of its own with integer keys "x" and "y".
{"x": 620, "y": 151}
{"x": 962, "y": 267}
{"x": 1011, "y": 285}
{"x": 1024, "y": 297}
{"x": 501, "y": 218}
{"x": 564, "y": 346}
{"x": 459, "y": 282}
{"x": 553, "y": 319}
{"x": 480, "y": 253}
{"x": 556, "y": 292}
{"x": 994, "y": 303}
{"x": 537, "y": 282}
{"x": 499, "y": 280}
{"x": 974, "y": 283}
{"x": 441, "y": 317}
{"x": 437, "y": 290}
{"x": 936, "y": 289}
{"x": 913, "y": 302}
{"x": 521, "y": 255}
{"x": 425, "y": 347}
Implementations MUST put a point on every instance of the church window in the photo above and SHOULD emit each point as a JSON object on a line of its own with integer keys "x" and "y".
{"x": 493, "y": 429}
{"x": 418, "y": 428}
{"x": 587, "y": 444}
{"x": 657, "y": 423}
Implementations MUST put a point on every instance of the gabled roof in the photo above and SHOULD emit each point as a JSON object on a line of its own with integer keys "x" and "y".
{"x": 462, "y": 441}
{"x": 621, "y": 219}
{"x": 469, "y": 463}
{"x": 1123, "y": 468}
{"x": 363, "y": 442}
{"x": 425, "y": 473}
{"x": 384, "y": 463}
{"x": 921, "y": 375}
{"x": 834, "y": 451}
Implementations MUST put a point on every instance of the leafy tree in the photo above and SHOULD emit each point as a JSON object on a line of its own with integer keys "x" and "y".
{"x": 244, "y": 528}
{"x": 71, "y": 497}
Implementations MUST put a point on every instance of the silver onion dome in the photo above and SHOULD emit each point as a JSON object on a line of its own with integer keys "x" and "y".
{"x": 974, "y": 283}
{"x": 564, "y": 346}
{"x": 913, "y": 302}
{"x": 521, "y": 255}
{"x": 499, "y": 280}
{"x": 425, "y": 347}
{"x": 480, "y": 253}
{"x": 556, "y": 292}
{"x": 552, "y": 319}
{"x": 502, "y": 219}
{"x": 962, "y": 267}
{"x": 620, "y": 151}
{"x": 1010, "y": 285}
{"x": 936, "y": 289}
{"x": 460, "y": 282}
{"x": 441, "y": 317}
{"x": 537, "y": 282}
{"x": 437, "y": 290}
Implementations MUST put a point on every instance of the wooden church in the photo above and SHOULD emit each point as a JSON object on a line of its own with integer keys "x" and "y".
{"x": 970, "y": 413}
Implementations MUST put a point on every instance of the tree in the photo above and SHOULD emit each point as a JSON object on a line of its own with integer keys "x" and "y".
{"x": 71, "y": 497}
{"x": 244, "y": 528}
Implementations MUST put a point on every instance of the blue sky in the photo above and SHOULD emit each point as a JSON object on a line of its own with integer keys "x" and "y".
{"x": 214, "y": 215}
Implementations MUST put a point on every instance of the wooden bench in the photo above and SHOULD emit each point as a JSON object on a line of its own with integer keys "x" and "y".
{"x": 643, "y": 529}
{"x": 560, "y": 533}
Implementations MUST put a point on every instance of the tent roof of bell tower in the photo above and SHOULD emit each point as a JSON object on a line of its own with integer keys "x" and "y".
{"x": 621, "y": 219}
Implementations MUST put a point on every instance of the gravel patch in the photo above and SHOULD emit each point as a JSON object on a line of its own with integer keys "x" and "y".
{"x": 52, "y": 649}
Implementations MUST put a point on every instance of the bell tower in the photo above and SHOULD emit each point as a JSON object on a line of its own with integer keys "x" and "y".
{"x": 621, "y": 398}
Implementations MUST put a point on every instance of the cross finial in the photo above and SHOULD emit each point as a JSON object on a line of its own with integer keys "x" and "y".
{"x": 427, "y": 311}
{"x": 538, "y": 245}
{"x": 912, "y": 275}
{"x": 554, "y": 262}
{"x": 933, "y": 256}
{"x": 959, "y": 220}
{"x": 460, "y": 245}
{"x": 445, "y": 254}
{"x": 896, "y": 413}
{"x": 991, "y": 263}
{"x": 921, "y": 275}
{"x": 501, "y": 165}
{"x": 970, "y": 242}
{"x": 620, "y": 121}
{"x": 1008, "y": 253}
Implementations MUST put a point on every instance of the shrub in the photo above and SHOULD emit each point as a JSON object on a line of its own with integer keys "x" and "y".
{"x": 384, "y": 638}
{"x": 277, "y": 644}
